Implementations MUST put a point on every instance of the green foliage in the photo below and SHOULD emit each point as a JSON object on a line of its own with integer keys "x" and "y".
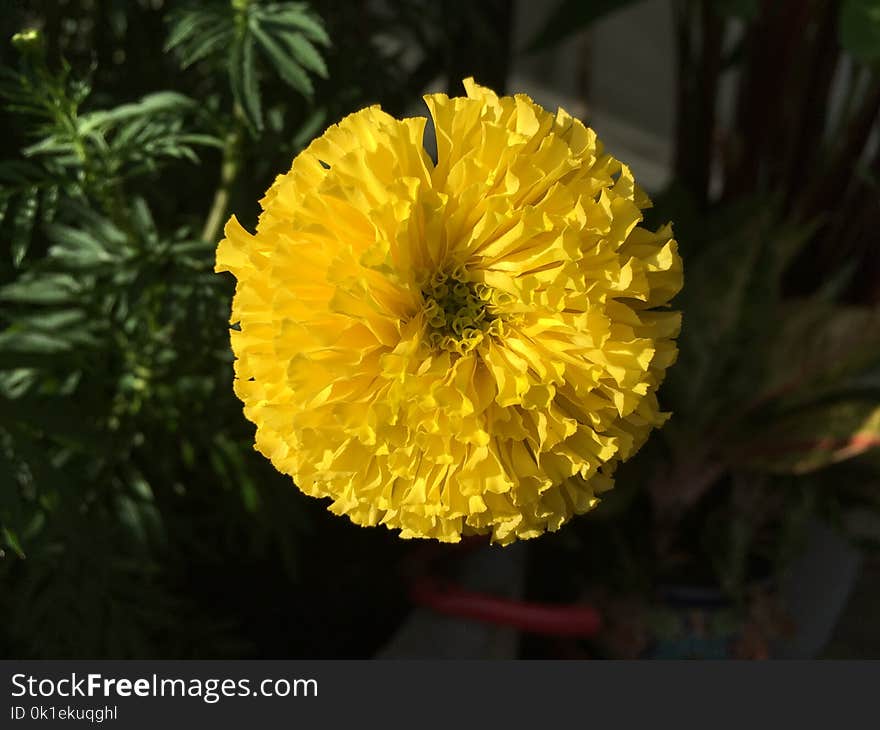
{"x": 860, "y": 29}
{"x": 94, "y": 384}
{"x": 85, "y": 155}
{"x": 284, "y": 33}
{"x": 751, "y": 355}
{"x": 817, "y": 436}
{"x": 131, "y": 499}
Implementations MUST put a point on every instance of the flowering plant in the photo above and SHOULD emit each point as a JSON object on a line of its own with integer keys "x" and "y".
{"x": 137, "y": 520}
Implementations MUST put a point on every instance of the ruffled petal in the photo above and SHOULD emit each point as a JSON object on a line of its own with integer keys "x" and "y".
{"x": 466, "y": 347}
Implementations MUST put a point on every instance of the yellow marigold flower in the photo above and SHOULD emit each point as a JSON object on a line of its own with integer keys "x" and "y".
{"x": 460, "y": 347}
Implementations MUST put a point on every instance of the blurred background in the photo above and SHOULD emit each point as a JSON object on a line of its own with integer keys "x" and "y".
{"x": 137, "y": 521}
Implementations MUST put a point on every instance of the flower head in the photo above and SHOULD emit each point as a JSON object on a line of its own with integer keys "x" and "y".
{"x": 463, "y": 346}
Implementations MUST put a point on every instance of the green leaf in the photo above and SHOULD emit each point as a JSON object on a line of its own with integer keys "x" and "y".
{"x": 77, "y": 249}
{"x": 191, "y": 23}
{"x": 205, "y": 140}
{"x": 213, "y": 40}
{"x": 98, "y": 225}
{"x": 305, "y": 53}
{"x": 570, "y": 17}
{"x": 820, "y": 349}
{"x": 11, "y": 540}
{"x": 15, "y": 384}
{"x": 236, "y": 468}
{"x": 860, "y": 28}
{"x": 49, "y": 203}
{"x": 51, "y": 145}
{"x": 45, "y": 289}
{"x": 20, "y": 342}
{"x": 138, "y": 512}
{"x": 310, "y": 127}
{"x": 23, "y": 224}
{"x": 142, "y": 217}
{"x": 147, "y": 107}
{"x": 813, "y": 438}
{"x": 245, "y": 91}
{"x": 284, "y": 64}
{"x": 51, "y": 322}
{"x": 249, "y": 84}
{"x": 294, "y": 16}
{"x": 184, "y": 248}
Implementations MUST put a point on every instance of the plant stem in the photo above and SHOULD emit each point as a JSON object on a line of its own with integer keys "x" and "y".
{"x": 99, "y": 179}
{"x": 228, "y": 173}
{"x": 773, "y": 59}
{"x": 231, "y": 163}
{"x": 700, "y": 37}
{"x": 813, "y": 76}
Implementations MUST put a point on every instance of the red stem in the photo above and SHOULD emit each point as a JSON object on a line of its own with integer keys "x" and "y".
{"x": 537, "y": 618}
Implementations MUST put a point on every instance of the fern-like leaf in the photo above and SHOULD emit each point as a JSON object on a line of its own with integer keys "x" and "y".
{"x": 286, "y": 34}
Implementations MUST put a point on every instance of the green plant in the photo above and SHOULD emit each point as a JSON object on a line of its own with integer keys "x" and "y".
{"x": 776, "y": 394}
{"x": 135, "y": 518}
{"x": 125, "y": 465}
{"x": 110, "y": 348}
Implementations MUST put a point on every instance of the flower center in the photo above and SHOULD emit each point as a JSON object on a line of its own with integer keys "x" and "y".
{"x": 459, "y": 312}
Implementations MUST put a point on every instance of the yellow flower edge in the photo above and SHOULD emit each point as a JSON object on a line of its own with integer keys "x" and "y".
{"x": 463, "y": 347}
